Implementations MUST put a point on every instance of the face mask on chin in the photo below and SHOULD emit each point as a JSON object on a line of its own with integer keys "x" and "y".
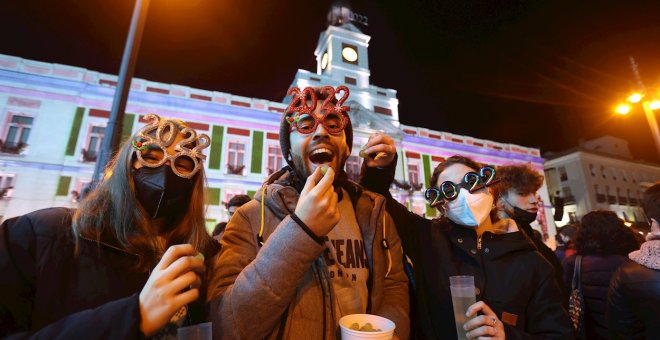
{"x": 523, "y": 216}
{"x": 161, "y": 192}
{"x": 468, "y": 209}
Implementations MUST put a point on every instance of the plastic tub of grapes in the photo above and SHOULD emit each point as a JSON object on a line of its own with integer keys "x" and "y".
{"x": 366, "y": 326}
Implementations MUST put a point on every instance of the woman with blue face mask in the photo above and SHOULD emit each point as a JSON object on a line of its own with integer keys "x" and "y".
{"x": 517, "y": 296}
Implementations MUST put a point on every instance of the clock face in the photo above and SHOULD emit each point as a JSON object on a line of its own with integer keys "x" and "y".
{"x": 324, "y": 61}
{"x": 349, "y": 54}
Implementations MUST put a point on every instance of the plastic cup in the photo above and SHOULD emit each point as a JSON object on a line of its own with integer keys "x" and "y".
{"x": 201, "y": 331}
{"x": 462, "y": 297}
{"x": 386, "y": 327}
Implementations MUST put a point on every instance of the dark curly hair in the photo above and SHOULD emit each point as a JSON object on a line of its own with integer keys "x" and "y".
{"x": 602, "y": 232}
{"x": 521, "y": 178}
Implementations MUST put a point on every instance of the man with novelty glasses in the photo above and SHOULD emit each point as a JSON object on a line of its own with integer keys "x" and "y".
{"x": 312, "y": 246}
{"x": 517, "y": 295}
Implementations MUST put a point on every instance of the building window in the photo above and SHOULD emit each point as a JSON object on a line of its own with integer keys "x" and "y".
{"x": 229, "y": 193}
{"x": 602, "y": 171}
{"x": 353, "y": 167}
{"x": 568, "y": 195}
{"x": 614, "y": 174}
{"x": 611, "y": 199}
{"x": 632, "y": 199}
{"x": 563, "y": 176}
{"x": 350, "y": 80}
{"x": 419, "y": 208}
{"x": 600, "y": 197}
{"x": 622, "y": 199}
{"x": 275, "y": 159}
{"x": 592, "y": 170}
{"x": 624, "y": 176}
{"x": 6, "y": 185}
{"x": 94, "y": 142}
{"x": 413, "y": 174}
{"x": 235, "y": 158}
{"x": 18, "y": 133}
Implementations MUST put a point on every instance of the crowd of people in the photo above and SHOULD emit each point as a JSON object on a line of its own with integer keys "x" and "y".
{"x": 135, "y": 259}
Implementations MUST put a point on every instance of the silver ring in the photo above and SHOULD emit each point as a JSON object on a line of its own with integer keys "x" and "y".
{"x": 494, "y": 319}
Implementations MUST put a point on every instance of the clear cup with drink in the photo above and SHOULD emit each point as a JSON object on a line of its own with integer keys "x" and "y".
{"x": 462, "y": 297}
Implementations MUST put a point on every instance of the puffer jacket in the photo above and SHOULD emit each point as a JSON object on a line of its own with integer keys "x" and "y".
{"x": 510, "y": 275}
{"x": 47, "y": 292}
{"x": 597, "y": 270}
{"x": 633, "y": 304}
{"x": 281, "y": 288}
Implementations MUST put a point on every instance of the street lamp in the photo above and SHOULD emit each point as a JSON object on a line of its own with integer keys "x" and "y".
{"x": 649, "y": 106}
{"x": 116, "y": 120}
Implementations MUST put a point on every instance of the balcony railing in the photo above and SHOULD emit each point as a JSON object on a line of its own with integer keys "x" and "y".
{"x": 89, "y": 156}
{"x": 12, "y": 148}
{"x": 600, "y": 198}
{"x": 633, "y": 201}
{"x": 235, "y": 169}
{"x": 4, "y": 192}
{"x": 623, "y": 200}
{"x": 611, "y": 199}
{"x": 407, "y": 186}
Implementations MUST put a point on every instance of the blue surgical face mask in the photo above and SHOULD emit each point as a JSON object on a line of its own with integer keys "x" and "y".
{"x": 470, "y": 209}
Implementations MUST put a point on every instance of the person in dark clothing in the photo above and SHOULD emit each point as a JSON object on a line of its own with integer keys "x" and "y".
{"x": 603, "y": 241}
{"x": 125, "y": 265}
{"x": 234, "y": 203}
{"x": 517, "y": 293}
{"x": 516, "y": 198}
{"x": 633, "y": 303}
{"x": 564, "y": 239}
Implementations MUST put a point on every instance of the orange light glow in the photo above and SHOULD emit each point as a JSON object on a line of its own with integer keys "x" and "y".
{"x": 623, "y": 109}
{"x": 635, "y": 97}
{"x": 654, "y": 105}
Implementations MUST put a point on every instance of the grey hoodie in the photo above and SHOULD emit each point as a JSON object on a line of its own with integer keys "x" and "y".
{"x": 282, "y": 288}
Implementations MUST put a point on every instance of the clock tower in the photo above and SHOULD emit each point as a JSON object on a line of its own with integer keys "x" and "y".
{"x": 342, "y": 59}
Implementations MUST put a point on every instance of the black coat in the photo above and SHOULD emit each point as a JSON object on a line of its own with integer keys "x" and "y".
{"x": 634, "y": 302}
{"x": 510, "y": 275}
{"x": 597, "y": 271}
{"x": 47, "y": 292}
{"x": 549, "y": 255}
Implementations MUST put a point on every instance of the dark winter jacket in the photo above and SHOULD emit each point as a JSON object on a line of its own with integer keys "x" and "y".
{"x": 510, "y": 275}
{"x": 596, "y": 274}
{"x": 634, "y": 300}
{"x": 48, "y": 293}
{"x": 549, "y": 255}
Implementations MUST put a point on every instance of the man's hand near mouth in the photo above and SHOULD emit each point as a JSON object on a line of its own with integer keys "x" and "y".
{"x": 317, "y": 205}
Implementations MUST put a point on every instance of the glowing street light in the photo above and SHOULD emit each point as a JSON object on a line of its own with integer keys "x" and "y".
{"x": 649, "y": 106}
{"x": 635, "y": 98}
{"x": 623, "y": 109}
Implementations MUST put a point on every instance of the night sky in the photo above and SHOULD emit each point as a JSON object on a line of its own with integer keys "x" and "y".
{"x": 536, "y": 73}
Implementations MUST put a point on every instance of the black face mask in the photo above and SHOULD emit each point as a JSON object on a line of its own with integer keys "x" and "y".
{"x": 161, "y": 192}
{"x": 523, "y": 216}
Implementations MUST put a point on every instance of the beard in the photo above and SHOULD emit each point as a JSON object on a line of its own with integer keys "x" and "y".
{"x": 302, "y": 171}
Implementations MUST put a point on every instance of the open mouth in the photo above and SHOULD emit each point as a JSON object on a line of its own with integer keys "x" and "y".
{"x": 321, "y": 156}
